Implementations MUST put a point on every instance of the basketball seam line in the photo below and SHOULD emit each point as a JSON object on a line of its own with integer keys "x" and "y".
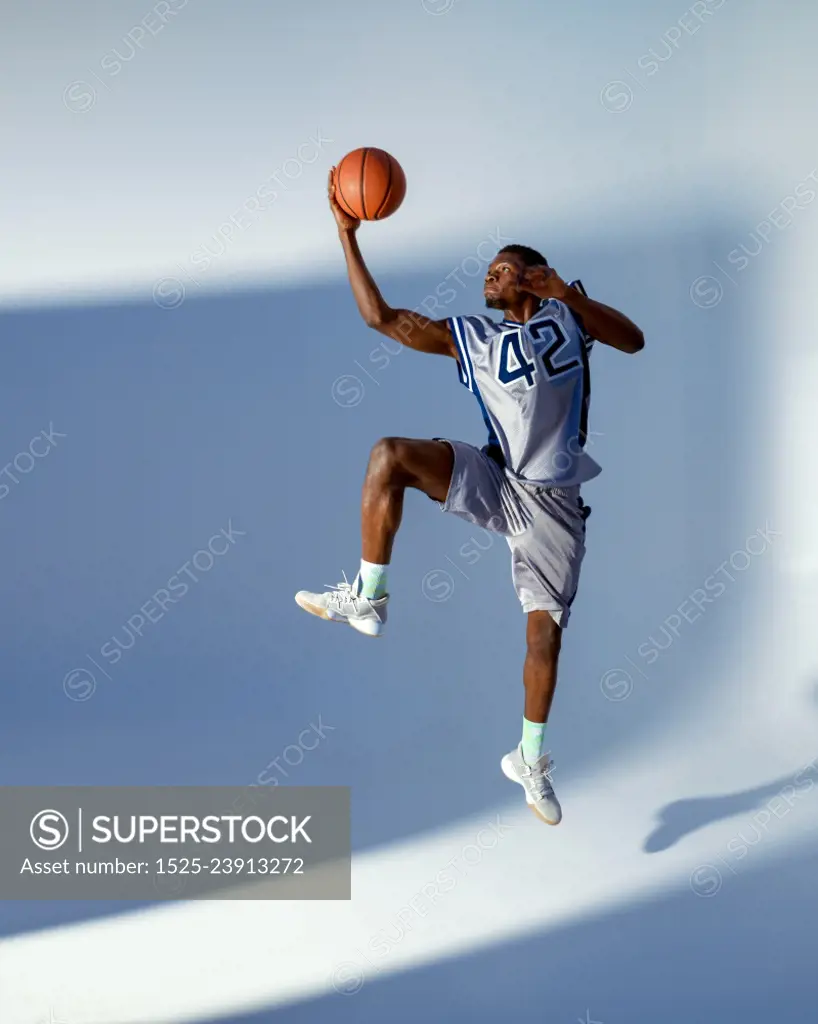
{"x": 363, "y": 193}
{"x": 339, "y": 190}
{"x": 388, "y": 190}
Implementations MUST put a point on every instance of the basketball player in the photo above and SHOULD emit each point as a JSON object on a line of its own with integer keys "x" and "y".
{"x": 530, "y": 375}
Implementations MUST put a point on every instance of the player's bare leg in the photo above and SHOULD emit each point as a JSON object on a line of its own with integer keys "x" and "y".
{"x": 543, "y": 642}
{"x": 395, "y": 464}
{"x": 528, "y": 765}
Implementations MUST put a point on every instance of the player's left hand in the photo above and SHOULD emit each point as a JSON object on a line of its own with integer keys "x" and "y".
{"x": 544, "y": 282}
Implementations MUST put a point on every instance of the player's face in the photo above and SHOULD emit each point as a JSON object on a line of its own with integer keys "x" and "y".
{"x": 502, "y": 285}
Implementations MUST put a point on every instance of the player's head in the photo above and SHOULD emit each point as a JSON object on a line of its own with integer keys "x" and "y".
{"x": 502, "y": 285}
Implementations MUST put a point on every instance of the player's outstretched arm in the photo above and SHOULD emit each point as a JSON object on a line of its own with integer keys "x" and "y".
{"x": 410, "y": 329}
{"x": 604, "y": 323}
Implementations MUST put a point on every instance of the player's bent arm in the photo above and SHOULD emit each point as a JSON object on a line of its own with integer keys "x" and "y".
{"x": 411, "y": 329}
{"x": 416, "y": 331}
{"x": 604, "y": 323}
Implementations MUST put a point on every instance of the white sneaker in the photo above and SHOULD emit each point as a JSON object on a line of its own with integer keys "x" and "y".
{"x": 342, "y": 603}
{"x": 536, "y": 781}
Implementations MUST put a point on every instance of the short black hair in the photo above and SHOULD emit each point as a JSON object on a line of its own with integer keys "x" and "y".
{"x": 530, "y": 256}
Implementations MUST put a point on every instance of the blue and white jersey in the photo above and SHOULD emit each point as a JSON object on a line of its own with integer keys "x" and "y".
{"x": 533, "y": 384}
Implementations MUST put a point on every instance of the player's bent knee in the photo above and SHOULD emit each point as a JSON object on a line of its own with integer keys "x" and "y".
{"x": 388, "y": 456}
{"x": 411, "y": 462}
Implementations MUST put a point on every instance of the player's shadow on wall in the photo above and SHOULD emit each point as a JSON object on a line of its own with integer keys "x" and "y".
{"x": 259, "y": 410}
{"x": 680, "y": 818}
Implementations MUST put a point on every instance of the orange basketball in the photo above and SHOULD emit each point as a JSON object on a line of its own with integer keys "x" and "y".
{"x": 369, "y": 184}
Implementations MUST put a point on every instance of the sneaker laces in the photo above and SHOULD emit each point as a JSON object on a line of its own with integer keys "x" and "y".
{"x": 340, "y": 593}
{"x": 540, "y": 777}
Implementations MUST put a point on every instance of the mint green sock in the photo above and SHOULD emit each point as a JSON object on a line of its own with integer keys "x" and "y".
{"x": 372, "y": 580}
{"x": 533, "y": 733}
